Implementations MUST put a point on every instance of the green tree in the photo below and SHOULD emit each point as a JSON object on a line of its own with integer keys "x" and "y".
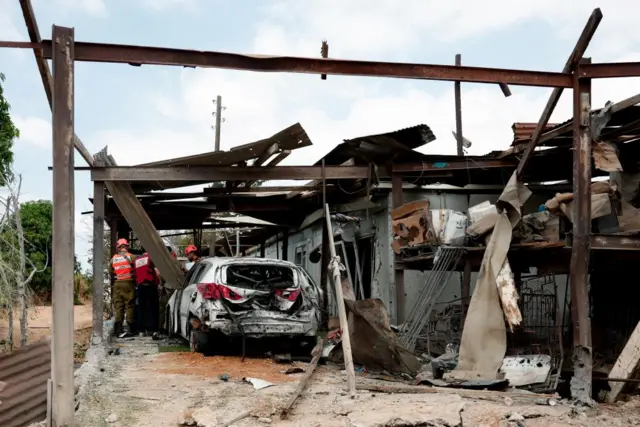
{"x": 8, "y": 133}
{"x": 37, "y": 222}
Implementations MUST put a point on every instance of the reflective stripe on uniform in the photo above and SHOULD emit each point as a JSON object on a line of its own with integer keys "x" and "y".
{"x": 122, "y": 267}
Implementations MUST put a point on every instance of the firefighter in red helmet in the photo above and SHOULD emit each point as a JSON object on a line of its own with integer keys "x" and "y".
{"x": 192, "y": 255}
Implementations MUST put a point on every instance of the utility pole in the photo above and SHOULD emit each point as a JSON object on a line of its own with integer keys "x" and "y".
{"x": 219, "y": 120}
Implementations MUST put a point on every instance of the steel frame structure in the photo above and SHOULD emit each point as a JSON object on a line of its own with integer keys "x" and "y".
{"x": 64, "y": 51}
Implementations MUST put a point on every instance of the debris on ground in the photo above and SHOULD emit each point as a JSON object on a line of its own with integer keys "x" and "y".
{"x": 257, "y": 383}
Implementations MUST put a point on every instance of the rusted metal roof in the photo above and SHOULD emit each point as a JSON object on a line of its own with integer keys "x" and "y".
{"x": 286, "y": 140}
{"x": 25, "y": 372}
{"x": 523, "y": 131}
{"x": 291, "y": 138}
{"x": 380, "y": 148}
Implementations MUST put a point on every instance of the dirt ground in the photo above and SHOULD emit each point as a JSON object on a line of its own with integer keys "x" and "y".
{"x": 39, "y": 322}
{"x": 138, "y": 386}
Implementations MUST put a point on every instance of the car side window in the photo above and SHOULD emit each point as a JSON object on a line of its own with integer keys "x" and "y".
{"x": 201, "y": 272}
{"x": 192, "y": 273}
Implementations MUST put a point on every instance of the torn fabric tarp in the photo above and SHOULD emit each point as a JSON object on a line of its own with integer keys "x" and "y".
{"x": 484, "y": 341}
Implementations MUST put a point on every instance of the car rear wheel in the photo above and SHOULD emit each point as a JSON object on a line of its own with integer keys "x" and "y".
{"x": 198, "y": 340}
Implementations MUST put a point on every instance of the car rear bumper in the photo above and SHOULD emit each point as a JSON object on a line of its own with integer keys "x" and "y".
{"x": 266, "y": 324}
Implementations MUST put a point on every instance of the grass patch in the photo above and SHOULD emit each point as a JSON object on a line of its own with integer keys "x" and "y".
{"x": 173, "y": 349}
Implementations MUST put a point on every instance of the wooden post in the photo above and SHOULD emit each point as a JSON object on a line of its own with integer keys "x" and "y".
{"x": 580, "y": 249}
{"x": 98, "y": 260}
{"x": 397, "y": 200}
{"x": 342, "y": 311}
{"x": 262, "y": 248}
{"x": 63, "y": 228}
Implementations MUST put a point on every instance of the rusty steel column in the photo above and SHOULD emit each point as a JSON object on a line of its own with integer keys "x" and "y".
{"x": 397, "y": 201}
{"x": 580, "y": 250}
{"x": 63, "y": 229}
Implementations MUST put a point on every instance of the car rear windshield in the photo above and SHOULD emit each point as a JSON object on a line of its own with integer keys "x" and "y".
{"x": 259, "y": 276}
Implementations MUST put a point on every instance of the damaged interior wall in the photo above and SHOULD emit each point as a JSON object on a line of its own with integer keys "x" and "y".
{"x": 379, "y": 224}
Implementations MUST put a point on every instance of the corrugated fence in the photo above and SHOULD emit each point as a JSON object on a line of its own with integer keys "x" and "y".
{"x": 25, "y": 372}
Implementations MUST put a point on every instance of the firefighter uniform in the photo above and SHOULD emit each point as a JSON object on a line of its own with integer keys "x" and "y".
{"x": 147, "y": 290}
{"x": 124, "y": 289}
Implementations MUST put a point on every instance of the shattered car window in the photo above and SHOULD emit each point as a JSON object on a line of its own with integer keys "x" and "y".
{"x": 254, "y": 276}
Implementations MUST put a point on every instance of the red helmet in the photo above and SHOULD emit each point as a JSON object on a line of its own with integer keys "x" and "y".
{"x": 122, "y": 242}
{"x": 190, "y": 249}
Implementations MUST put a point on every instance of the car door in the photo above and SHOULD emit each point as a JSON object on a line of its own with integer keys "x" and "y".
{"x": 184, "y": 299}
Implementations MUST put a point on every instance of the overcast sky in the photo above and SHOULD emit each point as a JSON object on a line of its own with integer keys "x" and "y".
{"x": 153, "y": 113}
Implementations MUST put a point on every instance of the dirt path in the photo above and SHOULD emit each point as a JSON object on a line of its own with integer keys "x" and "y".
{"x": 143, "y": 388}
{"x": 39, "y": 323}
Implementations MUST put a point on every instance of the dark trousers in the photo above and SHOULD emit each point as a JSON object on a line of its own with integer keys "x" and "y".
{"x": 147, "y": 310}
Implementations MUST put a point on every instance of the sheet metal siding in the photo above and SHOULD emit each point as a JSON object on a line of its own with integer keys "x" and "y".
{"x": 25, "y": 372}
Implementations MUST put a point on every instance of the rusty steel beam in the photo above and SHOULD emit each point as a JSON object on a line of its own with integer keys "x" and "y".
{"x": 580, "y": 250}
{"x": 569, "y": 67}
{"x": 44, "y": 70}
{"x": 138, "y": 55}
{"x": 224, "y": 173}
{"x": 63, "y": 229}
{"x": 609, "y": 70}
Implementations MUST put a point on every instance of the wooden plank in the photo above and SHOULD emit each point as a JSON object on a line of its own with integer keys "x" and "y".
{"x": 569, "y": 67}
{"x": 141, "y": 224}
{"x": 303, "y": 381}
{"x": 205, "y": 174}
{"x": 98, "y": 261}
{"x": 63, "y": 228}
{"x": 626, "y": 366}
{"x": 496, "y": 396}
{"x": 342, "y": 311}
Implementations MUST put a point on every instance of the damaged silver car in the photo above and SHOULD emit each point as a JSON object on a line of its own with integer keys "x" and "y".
{"x": 249, "y": 297}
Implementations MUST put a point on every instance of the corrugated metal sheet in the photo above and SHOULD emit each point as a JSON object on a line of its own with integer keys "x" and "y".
{"x": 380, "y": 148}
{"x": 523, "y": 131}
{"x": 291, "y": 138}
{"x": 25, "y": 372}
{"x": 288, "y": 139}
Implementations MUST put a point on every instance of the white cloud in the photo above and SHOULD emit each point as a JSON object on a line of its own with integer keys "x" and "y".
{"x": 376, "y": 28}
{"x": 165, "y": 5}
{"x": 34, "y": 130}
{"x": 95, "y": 8}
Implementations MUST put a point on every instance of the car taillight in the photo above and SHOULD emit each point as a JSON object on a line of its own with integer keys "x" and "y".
{"x": 215, "y": 292}
{"x": 288, "y": 295}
